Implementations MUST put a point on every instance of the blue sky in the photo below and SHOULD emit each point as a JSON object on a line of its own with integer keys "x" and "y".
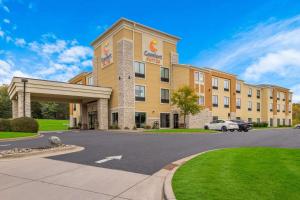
{"x": 257, "y": 40}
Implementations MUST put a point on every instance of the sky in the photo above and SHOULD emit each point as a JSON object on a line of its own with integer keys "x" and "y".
{"x": 257, "y": 40}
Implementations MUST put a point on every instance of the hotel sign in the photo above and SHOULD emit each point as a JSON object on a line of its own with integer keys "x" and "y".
{"x": 107, "y": 52}
{"x": 152, "y": 50}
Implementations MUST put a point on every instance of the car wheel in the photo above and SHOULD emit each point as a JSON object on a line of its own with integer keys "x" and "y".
{"x": 231, "y": 130}
{"x": 246, "y": 130}
{"x": 224, "y": 129}
{"x": 206, "y": 127}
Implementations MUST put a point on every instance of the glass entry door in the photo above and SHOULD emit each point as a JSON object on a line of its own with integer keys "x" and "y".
{"x": 165, "y": 120}
{"x": 93, "y": 120}
{"x": 140, "y": 119}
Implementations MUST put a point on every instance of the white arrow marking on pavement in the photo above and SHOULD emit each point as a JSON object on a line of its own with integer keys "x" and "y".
{"x": 109, "y": 159}
{"x": 4, "y": 145}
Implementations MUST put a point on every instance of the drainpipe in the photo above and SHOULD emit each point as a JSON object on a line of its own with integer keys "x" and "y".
{"x": 24, "y": 93}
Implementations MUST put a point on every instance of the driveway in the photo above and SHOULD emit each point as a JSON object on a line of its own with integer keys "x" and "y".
{"x": 148, "y": 153}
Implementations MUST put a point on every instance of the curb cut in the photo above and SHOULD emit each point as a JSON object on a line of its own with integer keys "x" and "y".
{"x": 168, "y": 193}
{"x": 22, "y": 138}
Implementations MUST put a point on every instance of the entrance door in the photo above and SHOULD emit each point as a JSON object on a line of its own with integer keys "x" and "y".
{"x": 176, "y": 120}
{"x": 140, "y": 119}
{"x": 93, "y": 120}
{"x": 164, "y": 120}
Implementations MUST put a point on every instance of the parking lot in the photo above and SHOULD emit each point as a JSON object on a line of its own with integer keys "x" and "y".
{"x": 148, "y": 153}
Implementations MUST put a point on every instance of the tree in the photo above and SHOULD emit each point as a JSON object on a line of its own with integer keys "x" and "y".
{"x": 296, "y": 113}
{"x": 5, "y": 103}
{"x": 52, "y": 110}
{"x": 186, "y": 100}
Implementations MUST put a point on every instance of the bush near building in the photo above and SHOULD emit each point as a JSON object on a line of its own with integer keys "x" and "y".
{"x": 260, "y": 124}
{"x": 23, "y": 124}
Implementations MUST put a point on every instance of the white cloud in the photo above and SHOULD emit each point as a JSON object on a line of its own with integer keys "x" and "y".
{"x": 296, "y": 93}
{"x": 75, "y": 54}
{"x": 1, "y": 33}
{"x": 86, "y": 63}
{"x": 20, "y": 42}
{"x": 7, "y": 71}
{"x": 48, "y": 48}
{"x": 6, "y": 21}
{"x": 6, "y": 8}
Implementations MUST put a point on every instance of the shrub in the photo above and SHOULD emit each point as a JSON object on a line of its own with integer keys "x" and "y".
{"x": 24, "y": 124}
{"x": 5, "y": 125}
{"x": 260, "y": 124}
{"x": 114, "y": 126}
{"x": 147, "y": 127}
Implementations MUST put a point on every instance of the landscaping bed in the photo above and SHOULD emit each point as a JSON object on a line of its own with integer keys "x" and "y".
{"x": 240, "y": 173}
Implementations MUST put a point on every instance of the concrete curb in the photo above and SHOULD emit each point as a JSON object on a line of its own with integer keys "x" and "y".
{"x": 22, "y": 138}
{"x": 168, "y": 193}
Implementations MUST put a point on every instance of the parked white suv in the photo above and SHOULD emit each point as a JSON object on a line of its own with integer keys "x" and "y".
{"x": 222, "y": 125}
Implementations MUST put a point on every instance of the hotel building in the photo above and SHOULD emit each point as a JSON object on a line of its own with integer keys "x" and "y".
{"x": 140, "y": 65}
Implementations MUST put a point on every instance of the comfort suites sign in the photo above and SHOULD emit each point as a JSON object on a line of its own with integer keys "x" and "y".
{"x": 152, "y": 50}
{"x": 107, "y": 52}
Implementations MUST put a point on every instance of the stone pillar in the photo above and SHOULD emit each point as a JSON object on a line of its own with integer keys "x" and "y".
{"x": 14, "y": 108}
{"x": 102, "y": 108}
{"x": 71, "y": 122}
{"x": 84, "y": 116}
{"x": 21, "y": 104}
{"x": 126, "y": 83}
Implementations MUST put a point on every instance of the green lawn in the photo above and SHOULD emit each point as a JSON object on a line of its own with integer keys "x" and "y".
{"x": 180, "y": 130}
{"x": 240, "y": 174}
{"x": 6, "y": 135}
{"x": 53, "y": 124}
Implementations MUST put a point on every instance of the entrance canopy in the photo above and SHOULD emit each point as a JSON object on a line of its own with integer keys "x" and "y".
{"x": 43, "y": 90}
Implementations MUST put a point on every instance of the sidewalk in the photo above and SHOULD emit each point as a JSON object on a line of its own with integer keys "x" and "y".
{"x": 41, "y": 178}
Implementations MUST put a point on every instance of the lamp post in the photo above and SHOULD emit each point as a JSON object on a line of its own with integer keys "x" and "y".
{"x": 24, "y": 93}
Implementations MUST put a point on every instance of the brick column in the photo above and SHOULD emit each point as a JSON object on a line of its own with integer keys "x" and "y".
{"x": 14, "y": 108}
{"x": 21, "y": 105}
{"x": 126, "y": 83}
{"x": 84, "y": 116}
{"x": 102, "y": 109}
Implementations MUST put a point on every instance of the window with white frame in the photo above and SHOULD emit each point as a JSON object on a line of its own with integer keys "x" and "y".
{"x": 214, "y": 83}
{"x": 283, "y": 108}
{"x": 238, "y": 103}
{"x": 164, "y": 96}
{"x": 89, "y": 80}
{"x": 278, "y": 95}
{"x": 238, "y": 87}
{"x": 199, "y": 78}
{"x": 258, "y": 94}
{"x": 226, "y": 85}
{"x": 139, "y": 93}
{"x": 139, "y": 69}
{"x": 201, "y": 100}
{"x": 215, "y": 100}
{"x": 249, "y": 92}
{"x": 257, "y": 106}
{"x": 271, "y": 93}
{"x": 271, "y": 107}
{"x": 278, "y": 107}
{"x": 226, "y": 102}
{"x": 164, "y": 74}
{"x": 249, "y": 105}
{"x": 290, "y": 107}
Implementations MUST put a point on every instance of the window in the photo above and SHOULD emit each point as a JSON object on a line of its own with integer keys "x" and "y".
{"x": 201, "y": 100}
{"x": 215, "y": 118}
{"x": 114, "y": 118}
{"x": 278, "y": 122}
{"x": 249, "y": 105}
{"x": 250, "y": 92}
{"x": 199, "y": 77}
{"x": 164, "y": 74}
{"x": 89, "y": 80}
{"x": 258, "y": 107}
{"x": 290, "y": 108}
{"x": 250, "y": 120}
{"x": 271, "y": 93}
{"x": 214, "y": 83}
{"x": 238, "y": 103}
{"x": 258, "y": 120}
{"x": 139, "y": 69}
{"x": 238, "y": 88}
{"x": 215, "y": 100}
{"x": 278, "y": 95}
{"x": 278, "y": 107}
{"x": 290, "y": 122}
{"x": 283, "y": 97}
{"x": 139, "y": 93}
{"x": 271, "y": 107}
{"x": 290, "y": 97}
{"x": 283, "y": 108}
{"x": 140, "y": 119}
{"x": 74, "y": 107}
{"x": 226, "y": 85}
{"x": 283, "y": 122}
{"x": 226, "y": 102}
{"x": 258, "y": 94}
{"x": 271, "y": 121}
{"x": 238, "y": 118}
{"x": 164, "y": 120}
{"x": 164, "y": 96}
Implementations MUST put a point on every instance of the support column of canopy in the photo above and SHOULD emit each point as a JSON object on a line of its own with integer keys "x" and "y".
{"x": 102, "y": 108}
{"x": 23, "y": 107}
{"x": 84, "y": 116}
